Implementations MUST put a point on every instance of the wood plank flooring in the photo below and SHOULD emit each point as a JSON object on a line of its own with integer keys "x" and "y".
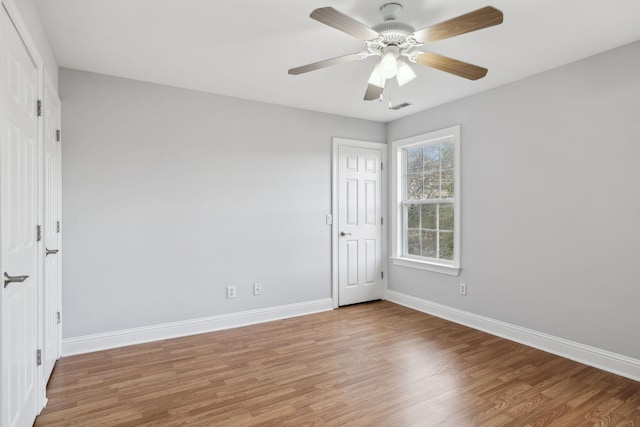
{"x": 375, "y": 364}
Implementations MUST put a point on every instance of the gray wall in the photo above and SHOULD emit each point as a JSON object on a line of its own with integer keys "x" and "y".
{"x": 171, "y": 195}
{"x": 550, "y": 203}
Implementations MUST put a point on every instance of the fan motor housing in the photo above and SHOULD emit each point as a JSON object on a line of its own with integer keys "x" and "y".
{"x": 394, "y": 33}
{"x": 393, "y": 30}
{"x": 393, "y": 27}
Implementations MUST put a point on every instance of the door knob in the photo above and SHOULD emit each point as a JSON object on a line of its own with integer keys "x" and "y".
{"x": 51, "y": 251}
{"x": 13, "y": 279}
{"x": 342, "y": 233}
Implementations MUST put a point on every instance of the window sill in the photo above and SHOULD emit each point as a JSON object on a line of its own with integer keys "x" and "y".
{"x": 428, "y": 266}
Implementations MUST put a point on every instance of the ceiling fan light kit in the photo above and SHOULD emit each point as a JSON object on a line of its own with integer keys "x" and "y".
{"x": 403, "y": 74}
{"x": 392, "y": 40}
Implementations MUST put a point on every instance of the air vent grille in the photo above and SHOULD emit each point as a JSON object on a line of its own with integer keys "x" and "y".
{"x": 399, "y": 106}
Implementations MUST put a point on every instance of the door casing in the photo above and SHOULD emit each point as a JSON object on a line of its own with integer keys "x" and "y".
{"x": 50, "y": 295}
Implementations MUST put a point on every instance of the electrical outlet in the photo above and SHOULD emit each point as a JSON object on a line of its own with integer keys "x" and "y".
{"x": 231, "y": 292}
{"x": 257, "y": 288}
{"x": 463, "y": 289}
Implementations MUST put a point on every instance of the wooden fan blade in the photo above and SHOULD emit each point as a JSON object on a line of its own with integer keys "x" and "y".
{"x": 477, "y": 20}
{"x": 453, "y": 66}
{"x": 373, "y": 92}
{"x": 338, "y": 20}
{"x": 323, "y": 64}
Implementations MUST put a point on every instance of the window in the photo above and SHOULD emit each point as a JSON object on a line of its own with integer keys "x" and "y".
{"x": 427, "y": 217}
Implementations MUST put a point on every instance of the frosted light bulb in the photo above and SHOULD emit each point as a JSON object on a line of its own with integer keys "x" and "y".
{"x": 388, "y": 65}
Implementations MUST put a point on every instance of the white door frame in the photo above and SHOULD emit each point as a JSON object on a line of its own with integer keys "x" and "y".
{"x": 51, "y": 98}
{"x": 337, "y": 143}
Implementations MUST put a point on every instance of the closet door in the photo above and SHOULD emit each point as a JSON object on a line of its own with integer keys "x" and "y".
{"x": 18, "y": 213}
{"x": 51, "y": 231}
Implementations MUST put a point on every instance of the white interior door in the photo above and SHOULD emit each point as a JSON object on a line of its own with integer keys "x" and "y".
{"x": 359, "y": 224}
{"x": 51, "y": 231}
{"x": 18, "y": 199}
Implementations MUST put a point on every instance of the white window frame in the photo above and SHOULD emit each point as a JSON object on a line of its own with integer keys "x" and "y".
{"x": 397, "y": 175}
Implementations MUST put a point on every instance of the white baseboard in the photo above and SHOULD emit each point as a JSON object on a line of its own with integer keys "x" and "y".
{"x": 104, "y": 341}
{"x": 592, "y": 356}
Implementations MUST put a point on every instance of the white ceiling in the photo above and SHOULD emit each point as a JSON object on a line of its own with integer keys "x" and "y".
{"x": 243, "y": 48}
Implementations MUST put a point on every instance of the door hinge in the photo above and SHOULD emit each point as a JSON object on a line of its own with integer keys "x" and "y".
{"x": 38, "y": 233}
{"x": 381, "y": 221}
{"x": 58, "y": 135}
{"x": 57, "y": 226}
{"x": 382, "y": 274}
{"x": 381, "y": 166}
{"x": 39, "y": 357}
{"x": 58, "y": 314}
{"x": 39, "y": 108}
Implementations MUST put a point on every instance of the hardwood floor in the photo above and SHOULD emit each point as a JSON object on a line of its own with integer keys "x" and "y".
{"x": 376, "y": 364}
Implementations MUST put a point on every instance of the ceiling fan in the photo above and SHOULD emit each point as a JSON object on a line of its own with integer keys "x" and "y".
{"x": 393, "y": 39}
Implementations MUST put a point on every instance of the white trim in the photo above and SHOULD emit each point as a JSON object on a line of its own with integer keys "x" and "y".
{"x": 396, "y": 190}
{"x": 25, "y": 35}
{"x": 425, "y": 265}
{"x": 592, "y": 356}
{"x": 338, "y": 142}
{"x": 51, "y": 89}
{"x": 107, "y": 340}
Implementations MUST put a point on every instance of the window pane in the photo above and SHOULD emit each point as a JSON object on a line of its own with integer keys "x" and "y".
{"x": 414, "y": 187}
{"x": 413, "y": 216}
{"x": 429, "y": 217}
{"x": 446, "y": 216}
{"x": 414, "y": 160}
{"x": 447, "y": 184}
{"x": 446, "y": 245}
{"x": 432, "y": 157}
{"x": 413, "y": 242}
{"x": 432, "y": 185}
{"x": 429, "y": 244}
{"x": 428, "y": 210}
{"x": 446, "y": 152}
